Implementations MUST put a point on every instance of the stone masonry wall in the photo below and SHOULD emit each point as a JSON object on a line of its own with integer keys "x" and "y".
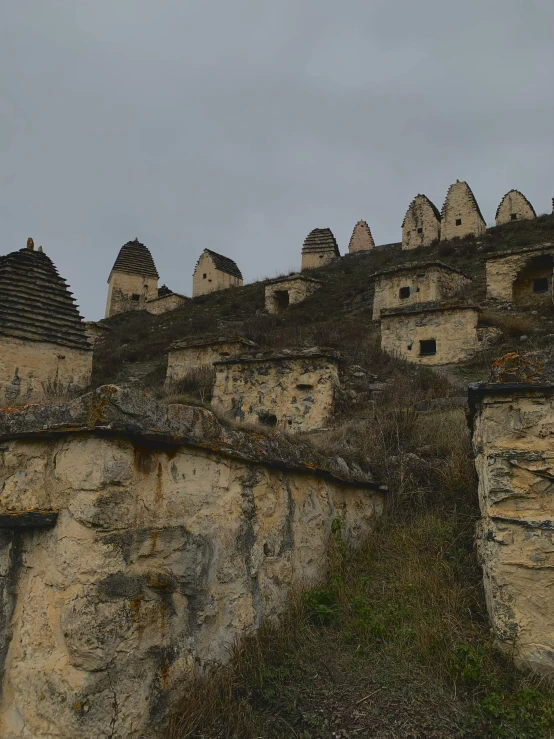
{"x": 460, "y": 205}
{"x": 214, "y": 280}
{"x": 168, "y": 546}
{"x": 165, "y": 303}
{"x": 123, "y": 286}
{"x": 502, "y": 273}
{"x": 295, "y": 393}
{"x": 426, "y": 283}
{"x": 361, "y": 239}
{"x": 514, "y": 456}
{"x": 183, "y": 360}
{"x": 454, "y": 330}
{"x": 298, "y": 289}
{"x": 312, "y": 260}
{"x": 26, "y": 365}
{"x": 421, "y": 225}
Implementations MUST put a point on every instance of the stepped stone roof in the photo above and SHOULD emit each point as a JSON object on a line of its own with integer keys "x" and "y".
{"x": 321, "y": 240}
{"x": 135, "y": 258}
{"x": 422, "y": 198}
{"x": 224, "y": 264}
{"x": 469, "y": 195}
{"x": 35, "y": 302}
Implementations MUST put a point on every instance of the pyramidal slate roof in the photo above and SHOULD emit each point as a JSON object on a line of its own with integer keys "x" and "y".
{"x": 135, "y": 258}
{"x": 321, "y": 240}
{"x": 35, "y": 302}
{"x": 224, "y": 264}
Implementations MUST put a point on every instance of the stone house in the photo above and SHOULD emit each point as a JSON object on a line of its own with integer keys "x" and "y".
{"x": 521, "y": 276}
{"x": 361, "y": 239}
{"x": 166, "y": 301}
{"x": 127, "y": 529}
{"x": 43, "y": 342}
{"x": 431, "y": 333}
{"x": 286, "y": 291}
{"x": 512, "y": 425}
{"x": 460, "y": 214}
{"x": 320, "y": 248}
{"x": 133, "y": 279}
{"x": 214, "y": 272}
{"x": 413, "y": 282}
{"x": 514, "y": 206}
{"x": 290, "y": 391}
{"x": 422, "y": 223}
{"x": 187, "y": 355}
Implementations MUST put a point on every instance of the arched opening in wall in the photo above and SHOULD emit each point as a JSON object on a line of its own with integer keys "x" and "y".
{"x": 281, "y": 300}
{"x": 534, "y": 281}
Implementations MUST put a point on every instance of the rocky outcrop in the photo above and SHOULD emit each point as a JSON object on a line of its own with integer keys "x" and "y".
{"x": 137, "y": 543}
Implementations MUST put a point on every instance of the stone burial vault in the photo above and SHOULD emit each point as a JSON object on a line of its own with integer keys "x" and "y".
{"x": 43, "y": 340}
{"x": 137, "y": 543}
{"x": 521, "y": 276}
{"x": 416, "y": 282}
{"x": 513, "y": 425}
{"x": 286, "y": 291}
{"x": 431, "y": 333}
{"x": 293, "y": 391}
{"x": 186, "y": 355}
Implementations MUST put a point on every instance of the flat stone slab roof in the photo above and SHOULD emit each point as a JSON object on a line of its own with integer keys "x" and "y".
{"x": 296, "y": 276}
{"x": 283, "y": 356}
{"x": 199, "y": 341}
{"x": 418, "y": 266}
{"x": 118, "y": 412}
{"x": 522, "y": 250}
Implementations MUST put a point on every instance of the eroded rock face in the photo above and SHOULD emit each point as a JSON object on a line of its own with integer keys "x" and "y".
{"x": 170, "y": 543}
{"x": 513, "y": 439}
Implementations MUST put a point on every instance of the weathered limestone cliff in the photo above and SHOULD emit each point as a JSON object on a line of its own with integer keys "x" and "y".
{"x": 137, "y": 543}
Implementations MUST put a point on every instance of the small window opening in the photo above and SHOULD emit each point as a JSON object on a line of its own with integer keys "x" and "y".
{"x": 321, "y": 256}
{"x": 267, "y": 419}
{"x": 282, "y": 299}
{"x": 420, "y": 230}
{"x": 427, "y": 347}
{"x": 135, "y": 296}
{"x": 513, "y": 216}
{"x": 204, "y": 276}
{"x": 404, "y": 292}
{"x": 458, "y": 221}
{"x": 540, "y": 285}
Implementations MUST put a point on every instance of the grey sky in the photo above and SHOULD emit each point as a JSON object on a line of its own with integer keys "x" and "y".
{"x": 240, "y": 125}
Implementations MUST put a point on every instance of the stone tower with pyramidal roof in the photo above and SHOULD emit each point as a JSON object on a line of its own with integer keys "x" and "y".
{"x": 133, "y": 279}
{"x": 320, "y": 248}
{"x": 361, "y": 239}
{"x": 44, "y": 349}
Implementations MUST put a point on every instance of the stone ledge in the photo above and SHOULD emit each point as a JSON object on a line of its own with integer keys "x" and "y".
{"x": 283, "y": 356}
{"x": 296, "y": 276}
{"x": 115, "y": 411}
{"x": 516, "y": 252}
{"x": 429, "y": 308}
{"x": 195, "y": 342}
{"x": 415, "y": 266}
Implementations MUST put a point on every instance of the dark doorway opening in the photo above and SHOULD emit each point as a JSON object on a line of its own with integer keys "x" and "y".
{"x": 540, "y": 285}
{"x": 427, "y": 347}
{"x": 282, "y": 300}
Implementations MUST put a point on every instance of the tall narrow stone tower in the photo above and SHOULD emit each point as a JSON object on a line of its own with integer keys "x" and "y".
{"x": 422, "y": 223}
{"x": 361, "y": 239}
{"x": 133, "y": 279}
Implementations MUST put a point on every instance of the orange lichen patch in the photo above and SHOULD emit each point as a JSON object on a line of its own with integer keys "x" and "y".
{"x": 154, "y": 540}
{"x": 159, "y": 582}
{"x": 515, "y": 367}
{"x": 100, "y": 403}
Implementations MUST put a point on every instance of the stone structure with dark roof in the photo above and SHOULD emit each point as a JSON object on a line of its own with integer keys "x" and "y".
{"x": 43, "y": 341}
{"x": 214, "y": 272}
{"x": 133, "y": 279}
{"x": 320, "y": 248}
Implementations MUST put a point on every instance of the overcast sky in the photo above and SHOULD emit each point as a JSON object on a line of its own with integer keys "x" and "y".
{"x": 240, "y": 125}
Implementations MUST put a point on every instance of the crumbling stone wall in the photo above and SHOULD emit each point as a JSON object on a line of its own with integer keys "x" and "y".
{"x": 207, "y": 278}
{"x": 416, "y": 283}
{"x": 511, "y": 275}
{"x": 422, "y": 223}
{"x": 405, "y": 333}
{"x": 460, "y": 214}
{"x": 140, "y": 554}
{"x": 165, "y": 303}
{"x": 129, "y": 292}
{"x": 514, "y": 458}
{"x": 294, "y": 392}
{"x": 31, "y": 369}
{"x": 286, "y": 291}
{"x": 191, "y": 354}
{"x": 514, "y": 206}
{"x": 361, "y": 239}
{"x": 95, "y": 331}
